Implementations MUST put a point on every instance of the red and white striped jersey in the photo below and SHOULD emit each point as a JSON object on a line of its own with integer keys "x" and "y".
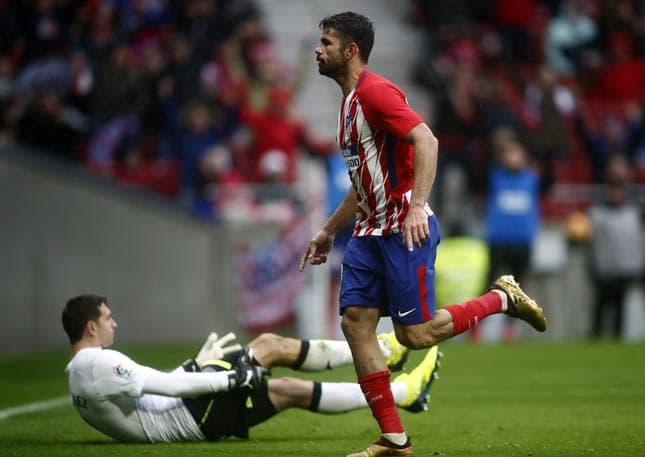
{"x": 374, "y": 119}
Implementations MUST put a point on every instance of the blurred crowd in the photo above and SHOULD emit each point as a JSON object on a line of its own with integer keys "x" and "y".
{"x": 188, "y": 99}
{"x": 566, "y": 77}
{"x": 191, "y": 100}
{"x": 538, "y": 107}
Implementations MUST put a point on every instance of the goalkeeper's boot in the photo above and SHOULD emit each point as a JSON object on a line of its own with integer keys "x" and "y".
{"x": 398, "y": 354}
{"x": 384, "y": 448}
{"x": 247, "y": 375}
{"x": 520, "y": 305}
{"x": 420, "y": 380}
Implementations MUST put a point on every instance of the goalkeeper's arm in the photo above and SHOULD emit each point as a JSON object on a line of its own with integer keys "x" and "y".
{"x": 180, "y": 383}
{"x": 186, "y": 384}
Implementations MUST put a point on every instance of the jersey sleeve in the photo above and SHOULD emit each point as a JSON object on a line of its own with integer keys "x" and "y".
{"x": 386, "y": 107}
{"x": 116, "y": 374}
{"x": 185, "y": 384}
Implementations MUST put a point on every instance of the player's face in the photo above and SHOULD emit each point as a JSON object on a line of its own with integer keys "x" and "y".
{"x": 106, "y": 326}
{"x": 329, "y": 54}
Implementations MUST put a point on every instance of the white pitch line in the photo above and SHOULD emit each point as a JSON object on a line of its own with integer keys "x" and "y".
{"x": 36, "y": 406}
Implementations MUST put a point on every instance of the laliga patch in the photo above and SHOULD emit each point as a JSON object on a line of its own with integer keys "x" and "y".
{"x": 122, "y": 370}
{"x": 350, "y": 154}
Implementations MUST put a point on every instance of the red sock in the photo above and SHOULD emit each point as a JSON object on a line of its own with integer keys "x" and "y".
{"x": 468, "y": 314}
{"x": 376, "y": 387}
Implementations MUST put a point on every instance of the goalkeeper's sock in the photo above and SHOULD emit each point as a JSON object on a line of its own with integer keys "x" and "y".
{"x": 378, "y": 394}
{"x": 319, "y": 355}
{"x": 341, "y": 397}
{"x": 337, "y": 397}
{"x": 468, "y": 314}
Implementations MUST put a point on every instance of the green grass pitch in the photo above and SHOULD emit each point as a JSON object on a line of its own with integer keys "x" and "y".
{"x": 525, "y": 399}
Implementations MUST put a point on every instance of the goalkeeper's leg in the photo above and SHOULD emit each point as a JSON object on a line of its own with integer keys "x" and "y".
{"x": 339, "y": 397}
{"x": 272, "y": 350}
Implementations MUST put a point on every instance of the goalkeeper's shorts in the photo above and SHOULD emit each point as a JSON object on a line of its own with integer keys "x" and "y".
{"x": 231, "y": 413}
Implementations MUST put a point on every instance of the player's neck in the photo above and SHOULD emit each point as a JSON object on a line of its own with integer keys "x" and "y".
{"x": 83, "y": 344}
{"x": 350, "y": 79}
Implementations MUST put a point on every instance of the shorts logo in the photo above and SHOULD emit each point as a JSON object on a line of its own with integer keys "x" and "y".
{"x": 122, "y": 370}
{"x": 405, "y": 313}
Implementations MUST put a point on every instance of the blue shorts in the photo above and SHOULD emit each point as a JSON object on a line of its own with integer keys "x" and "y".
{"x": 380, "y": 272}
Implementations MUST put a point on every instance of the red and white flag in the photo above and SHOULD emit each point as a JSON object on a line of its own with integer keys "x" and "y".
{"x": 268, "y": 278}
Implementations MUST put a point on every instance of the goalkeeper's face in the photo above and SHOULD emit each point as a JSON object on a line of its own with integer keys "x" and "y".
{"x": 105, "y": 326}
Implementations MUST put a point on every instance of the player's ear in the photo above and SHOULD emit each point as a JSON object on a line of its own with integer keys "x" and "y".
{"x": 350, "y": 50}
{"x": 91, "y": 328}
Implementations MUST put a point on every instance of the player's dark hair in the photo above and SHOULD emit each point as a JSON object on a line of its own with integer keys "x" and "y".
{"x": 78, "y": 312}
{"x": 352, "y": 27}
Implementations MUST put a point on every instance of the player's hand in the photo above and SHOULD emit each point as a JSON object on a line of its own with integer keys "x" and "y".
{"x": 215, "y": 348}
{"x": 415, "y": 227}
{"x": 317, "y": 249}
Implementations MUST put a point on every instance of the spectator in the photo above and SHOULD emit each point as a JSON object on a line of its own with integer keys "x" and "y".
{"x": 175, "y": 86}
{"x": 58, "y": 131}
{"x": 119, "y": 88}
{"x": 623, "y": 78}
{"x": 45, "y": 27}
{"x": 495, "y": 106}
{"x": 624, "y": 17}
{"x": 7, "y": 75}
{"x": 209, "y": 23}
{"x": 276, "y": 128}
{"x": 278, "y": 201}
{"x": 251, "y": 65}
{"x": 617, "y": 250}
{"x": 611, "y": 133}
{"x": 51, "y": 73}
{"x": 108, "y": 139}
{"x": 10, "y": 114}
{"x": 203, "y": 125}
{"x": 222, "y": 193}
{"x": 512, "y": 213}
{"x": 514, "y": 19}
{"x": 101, "y": 27}
{"x": 273, "y": 168}
{"x": 182, "y": 70}
{"x": 569, "y": 36}
{"x": 548, "y": 105}
{"x": 131, "y": 167}
{"x": 458, "y": 128}
{"x": 82, "y": 81}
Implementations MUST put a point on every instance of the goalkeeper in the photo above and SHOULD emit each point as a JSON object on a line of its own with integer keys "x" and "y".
{"x": 220, "y": 392}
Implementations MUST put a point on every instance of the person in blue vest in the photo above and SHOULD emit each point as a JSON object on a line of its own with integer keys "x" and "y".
{"x": 512, "y": 216}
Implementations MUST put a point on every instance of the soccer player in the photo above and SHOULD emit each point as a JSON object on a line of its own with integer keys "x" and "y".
{"x": 222, "y": 391}
{"x": 388, "y": 265}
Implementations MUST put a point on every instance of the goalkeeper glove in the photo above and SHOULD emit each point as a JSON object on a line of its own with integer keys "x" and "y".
{"x": 246, "y": 375}
{"x": 215, "y": 348}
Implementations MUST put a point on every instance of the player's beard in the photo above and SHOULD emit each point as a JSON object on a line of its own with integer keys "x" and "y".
{"x": 333, "y": 68}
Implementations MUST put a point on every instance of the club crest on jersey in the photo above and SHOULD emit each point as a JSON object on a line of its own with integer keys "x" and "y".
{"x": 122, "y": 370}
{"x": 348, "y": 120}
{"x": 350, "y": 154}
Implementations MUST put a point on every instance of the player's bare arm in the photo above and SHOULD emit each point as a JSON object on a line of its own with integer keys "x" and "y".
{"x": 415, "y": 226}
{"x": 319, "y": 246}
